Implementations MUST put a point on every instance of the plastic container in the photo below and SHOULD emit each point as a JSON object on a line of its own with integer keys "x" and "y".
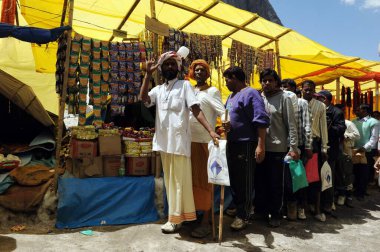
{"x": 287, "y": 159}
{"x": 183, "y": 52}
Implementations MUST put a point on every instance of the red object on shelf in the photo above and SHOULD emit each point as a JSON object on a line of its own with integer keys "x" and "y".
{"x": 9, "y": 165}
{"x": 8, "y": 11}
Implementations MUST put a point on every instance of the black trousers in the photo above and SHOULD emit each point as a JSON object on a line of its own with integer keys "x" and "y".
{"x": 344, "y": 174}
{"x": 269, "y": 184}
{"x": 362, "y": 173}
{"x": 241, "y": 167}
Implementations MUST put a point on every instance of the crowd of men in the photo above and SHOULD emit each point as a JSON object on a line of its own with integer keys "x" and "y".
{"x": 263, "y": 129}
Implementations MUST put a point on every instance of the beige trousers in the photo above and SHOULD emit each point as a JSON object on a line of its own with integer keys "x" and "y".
{"x": 178, "y": 184}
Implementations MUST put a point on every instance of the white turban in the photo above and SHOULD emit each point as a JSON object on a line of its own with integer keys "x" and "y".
{"x": 168, "y": 55}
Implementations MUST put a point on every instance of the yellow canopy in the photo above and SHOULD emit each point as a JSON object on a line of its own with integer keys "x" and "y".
{"x": 299, "y": 56}
{"x": 97, "y": 19}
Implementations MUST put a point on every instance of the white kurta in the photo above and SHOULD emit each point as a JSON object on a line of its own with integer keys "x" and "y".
{"x": 173, "y": 102}
{"x": 212, "y": 106}
{"x": 351, "y": 134}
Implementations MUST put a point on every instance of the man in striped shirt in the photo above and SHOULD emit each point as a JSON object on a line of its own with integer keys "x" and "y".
{"x": 320, "y": 140}
{"x": 304, "y": 144}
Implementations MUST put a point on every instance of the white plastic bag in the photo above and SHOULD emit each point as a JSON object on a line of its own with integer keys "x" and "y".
{"x": 217, "y": 169}
{"x": 326, "y": 176}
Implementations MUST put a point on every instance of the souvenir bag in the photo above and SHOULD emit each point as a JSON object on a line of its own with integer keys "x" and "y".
{"x": 312, "y": 169}
{"x": 217, "y": 169}
{"x": 326, "y": 176}
{"x": 298, "y": 173}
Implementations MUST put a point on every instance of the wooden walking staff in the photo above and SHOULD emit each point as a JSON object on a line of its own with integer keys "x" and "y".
{"x": 221, "y": 213}
{"x": 221, "y": 204}
{"x": 212, "y": 212}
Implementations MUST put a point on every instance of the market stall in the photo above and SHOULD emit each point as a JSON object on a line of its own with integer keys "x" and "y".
{"x": 94, "y": 62}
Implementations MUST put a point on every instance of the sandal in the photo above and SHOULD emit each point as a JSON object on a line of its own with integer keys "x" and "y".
{"x": 201, "y": 232}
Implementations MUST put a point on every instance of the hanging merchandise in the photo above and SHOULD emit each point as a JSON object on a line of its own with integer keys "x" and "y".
{"x": 84, "y": 78}
{"x": 9, "y": 11}
{"x": 126, "y": 75}
{"x": 343, "y": 96}
{"x": 175, "y": 40}
{"x": 87, "y": 77}
{"x": 265, "y": 59}
{"x": 148, "y": 38}
{"x": 356, "y": 96}
{"x": 362, "y": 99}
{"x": 349, "y": 103}
{"x": 95, "y": 81}
{"x": 105, "y": 70}
{"x": 348, "y": 100}
{"x": 260, "y": 65}
{"x": 370, "y": 99}
{"x": 269, "y": 59}
{"x": 245, "y": 56}
{"x": 73, "y": 77}
{"x": 60, "y": 64}
{"x": 207, "y": 47}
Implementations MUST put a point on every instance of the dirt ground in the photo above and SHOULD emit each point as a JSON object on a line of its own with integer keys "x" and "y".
{"x": 352, "y": 229}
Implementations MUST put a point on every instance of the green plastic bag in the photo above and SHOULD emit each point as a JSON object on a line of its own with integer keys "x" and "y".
{"x": 298, "y": 173}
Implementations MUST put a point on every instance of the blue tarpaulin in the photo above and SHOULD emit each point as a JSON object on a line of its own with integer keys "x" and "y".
{"x": 105, "y": 201}
{"x": 31, "y": 34}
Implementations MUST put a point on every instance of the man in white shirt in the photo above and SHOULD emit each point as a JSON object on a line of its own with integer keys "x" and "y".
{"x": 345, "y": 168}
{"x": 174, "y": 99}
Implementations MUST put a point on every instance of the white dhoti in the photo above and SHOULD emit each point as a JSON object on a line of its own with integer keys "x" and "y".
{"x": 178, "y": 184}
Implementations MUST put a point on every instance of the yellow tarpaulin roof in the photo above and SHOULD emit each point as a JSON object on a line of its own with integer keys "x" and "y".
{"x": 299, "y": 55}
{"x": 98, "y": 18}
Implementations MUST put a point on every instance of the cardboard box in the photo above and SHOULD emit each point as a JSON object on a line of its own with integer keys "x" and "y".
{"x": 138, "y": 166}
{"x": 69, "y": 164}
{"x": 83, "y": 148}
{"x": 111, "y": 165}
{"x": 87, "y": 167}
{"x": 109, "y": 145}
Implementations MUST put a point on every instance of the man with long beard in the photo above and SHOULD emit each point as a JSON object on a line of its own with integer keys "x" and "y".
{"x": 174, "y": 99}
